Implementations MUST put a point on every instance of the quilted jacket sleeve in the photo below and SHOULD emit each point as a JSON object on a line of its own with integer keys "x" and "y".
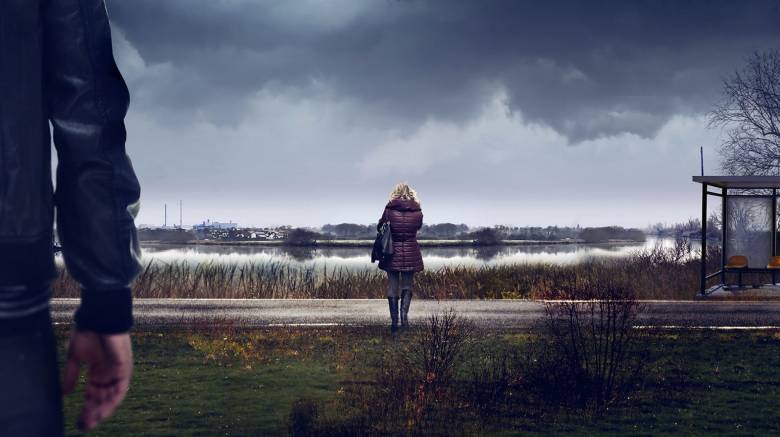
{"x": 97, "y": 191}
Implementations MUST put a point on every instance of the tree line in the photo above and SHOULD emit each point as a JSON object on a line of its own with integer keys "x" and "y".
{"x": 441, "y": 231}
{"x": 480, "y": 236}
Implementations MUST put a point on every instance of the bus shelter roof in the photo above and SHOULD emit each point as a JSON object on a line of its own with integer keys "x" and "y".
{"x": 745, "y": 182}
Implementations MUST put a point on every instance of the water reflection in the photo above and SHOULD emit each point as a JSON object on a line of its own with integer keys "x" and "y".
{"x": 359, "y": 258}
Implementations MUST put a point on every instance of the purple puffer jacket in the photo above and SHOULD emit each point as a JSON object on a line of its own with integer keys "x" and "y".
{"x": 406, "y": 218}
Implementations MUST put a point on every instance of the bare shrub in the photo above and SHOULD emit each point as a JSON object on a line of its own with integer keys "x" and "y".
{"x": 414, "y": 389}
{"x": 682, "y": 249}
{"x": 421, "y": 372}
{"x": 589, "y": 355}
{"x": 439, "y": 347}
{"x": 446, "y": 378}
{"x": 491, "y": 378}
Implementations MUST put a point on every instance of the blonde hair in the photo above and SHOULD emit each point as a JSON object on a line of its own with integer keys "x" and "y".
{"x": 405, "y": 192}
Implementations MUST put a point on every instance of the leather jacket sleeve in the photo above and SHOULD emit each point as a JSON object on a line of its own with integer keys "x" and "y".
{"x": 97, "y": 193}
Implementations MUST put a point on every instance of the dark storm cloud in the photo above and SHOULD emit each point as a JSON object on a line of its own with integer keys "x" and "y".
{"x": 587, "y": 69}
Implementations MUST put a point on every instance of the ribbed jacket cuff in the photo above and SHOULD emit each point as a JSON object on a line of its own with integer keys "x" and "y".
{"x": 105, "y": 311}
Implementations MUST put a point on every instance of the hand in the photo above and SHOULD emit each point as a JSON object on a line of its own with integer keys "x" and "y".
{"x": 109, "y": 362}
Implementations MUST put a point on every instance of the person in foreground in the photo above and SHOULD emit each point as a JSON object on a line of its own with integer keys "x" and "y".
{"x": 57, "y": 67}
{"x": 405, "y": 216}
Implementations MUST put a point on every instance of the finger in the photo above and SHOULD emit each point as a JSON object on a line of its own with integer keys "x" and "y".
{"x": 101, "y": 401}
{"x": 99, "y": 377}
{"x": 71, "y": 375}
{"x": 94, "y": 412}
{"x": 122, "y": 387}
{"x": 107, "y": 409}
{"x": 97, "y": 393}
{"x": 89, "y": 417}
{"x": 100, "y": 408}
{"x": 115, "y": 395}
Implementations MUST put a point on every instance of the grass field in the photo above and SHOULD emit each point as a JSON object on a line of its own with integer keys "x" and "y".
{"x": 203, "y": 381}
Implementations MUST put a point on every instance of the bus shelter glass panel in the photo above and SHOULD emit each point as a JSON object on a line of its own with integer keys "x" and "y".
{"x": 749, "y": 225}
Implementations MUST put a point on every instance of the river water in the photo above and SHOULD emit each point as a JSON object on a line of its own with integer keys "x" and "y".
{"x": 359, "y": 258}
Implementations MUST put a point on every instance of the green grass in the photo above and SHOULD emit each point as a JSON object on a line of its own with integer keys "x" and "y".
{"x": 244, "y": 383}
{"x": 695, "y": 384}
{"x": 176, "y": 391}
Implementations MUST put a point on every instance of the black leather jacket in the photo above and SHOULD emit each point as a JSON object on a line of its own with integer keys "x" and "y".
{"x": 57, "y": 67}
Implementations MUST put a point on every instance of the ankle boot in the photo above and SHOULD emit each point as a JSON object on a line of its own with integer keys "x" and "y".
{"x": 406, "y": 300}
{"x": 393, "y": 303}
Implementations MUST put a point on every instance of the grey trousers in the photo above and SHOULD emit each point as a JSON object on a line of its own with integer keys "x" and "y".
{"x": 399, "y": 281}
{"x": 30, "y": 398}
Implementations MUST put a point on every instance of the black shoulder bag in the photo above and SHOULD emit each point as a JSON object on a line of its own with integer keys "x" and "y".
{"x": 383, "y": 244}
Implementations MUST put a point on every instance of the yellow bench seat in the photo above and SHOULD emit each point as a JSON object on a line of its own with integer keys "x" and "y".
{"x": 738, "y": 262}
{"x": 774, "y": 263}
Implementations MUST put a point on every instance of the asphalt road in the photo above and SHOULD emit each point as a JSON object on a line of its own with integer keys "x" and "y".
{"x": 168, "y": 313}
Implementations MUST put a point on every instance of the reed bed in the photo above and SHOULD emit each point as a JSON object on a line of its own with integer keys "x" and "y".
{"x": 659, "y": 273}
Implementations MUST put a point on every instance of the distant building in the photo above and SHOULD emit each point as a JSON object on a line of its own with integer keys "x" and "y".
{"x": 208, "y": 224}
{"x": 268, "y": 234}
{"x": 159, "y": 227}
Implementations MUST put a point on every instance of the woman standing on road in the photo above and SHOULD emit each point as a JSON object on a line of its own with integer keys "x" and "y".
{"x": 405, "y": 217}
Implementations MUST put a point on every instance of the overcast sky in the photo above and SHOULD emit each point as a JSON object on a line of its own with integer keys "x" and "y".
{"x": 306, "y": 112}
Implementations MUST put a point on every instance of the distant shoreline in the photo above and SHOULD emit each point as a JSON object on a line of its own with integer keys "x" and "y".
{"x": 370, "y": 243}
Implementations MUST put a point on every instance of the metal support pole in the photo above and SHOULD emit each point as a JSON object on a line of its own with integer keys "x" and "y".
{"x": 774, "y": 221}
{"x": 703, "y": 238}
{"x": 774, "y": 231}
{"x": 723, "y": 221}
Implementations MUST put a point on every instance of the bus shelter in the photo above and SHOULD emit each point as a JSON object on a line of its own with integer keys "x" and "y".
{"x": 748, "y": 228}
